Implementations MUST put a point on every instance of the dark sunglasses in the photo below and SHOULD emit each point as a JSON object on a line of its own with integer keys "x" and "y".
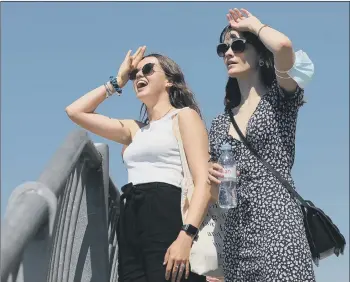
{"x": 147, "y": 69}
{"x": 237, "y": 46}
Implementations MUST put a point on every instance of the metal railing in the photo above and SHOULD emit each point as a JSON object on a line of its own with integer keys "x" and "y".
{"x": 62, "y": 227}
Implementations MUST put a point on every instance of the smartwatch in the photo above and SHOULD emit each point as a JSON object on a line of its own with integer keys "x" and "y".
{"x": 190, "y": 230}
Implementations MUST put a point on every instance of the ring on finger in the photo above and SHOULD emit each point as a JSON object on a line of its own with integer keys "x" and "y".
{"x": 181, "y": 271}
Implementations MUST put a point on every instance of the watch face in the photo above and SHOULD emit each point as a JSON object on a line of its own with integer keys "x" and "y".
{"x": 188, "y": 228}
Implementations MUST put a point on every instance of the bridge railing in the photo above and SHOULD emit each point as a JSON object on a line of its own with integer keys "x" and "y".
{"x": 62, "y": 227}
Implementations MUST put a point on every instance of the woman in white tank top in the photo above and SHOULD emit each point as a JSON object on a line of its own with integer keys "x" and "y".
{"x": 154, "y": 243}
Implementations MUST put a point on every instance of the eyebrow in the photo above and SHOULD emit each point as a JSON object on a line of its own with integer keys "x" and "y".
{"x": 231, "y": 36}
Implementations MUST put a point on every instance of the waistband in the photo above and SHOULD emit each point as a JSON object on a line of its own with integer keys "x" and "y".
{"x": 133, "y": 195}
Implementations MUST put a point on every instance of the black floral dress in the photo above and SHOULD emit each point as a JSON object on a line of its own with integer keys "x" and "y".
{"x": 265, "y": 238}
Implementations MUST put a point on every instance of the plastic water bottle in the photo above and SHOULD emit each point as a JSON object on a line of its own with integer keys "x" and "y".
{"x": 227, "y": 188}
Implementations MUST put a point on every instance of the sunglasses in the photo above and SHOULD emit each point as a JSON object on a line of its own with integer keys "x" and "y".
{"x": 237, "y": 46}
{"x": 147, "y": 70}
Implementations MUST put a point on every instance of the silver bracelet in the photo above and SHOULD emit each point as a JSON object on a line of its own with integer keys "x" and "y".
{"x": 282, "y": 76}
{"x": 265, "y": 25}
{"x": 108, "y": 91}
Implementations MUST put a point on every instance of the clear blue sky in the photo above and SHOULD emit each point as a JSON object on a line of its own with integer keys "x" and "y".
{"x": 52, "y": 53}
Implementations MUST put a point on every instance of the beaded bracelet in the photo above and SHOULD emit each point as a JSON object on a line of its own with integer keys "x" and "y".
{"x": 113, "y": 81}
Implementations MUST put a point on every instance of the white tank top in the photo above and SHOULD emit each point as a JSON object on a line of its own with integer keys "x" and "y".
{"x": 153, "y": 155}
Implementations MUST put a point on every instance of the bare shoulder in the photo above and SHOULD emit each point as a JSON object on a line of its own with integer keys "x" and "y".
{"x": 188, "y": 115}
{"x": 191, "y": 125}
{"x": 132, "y": 124}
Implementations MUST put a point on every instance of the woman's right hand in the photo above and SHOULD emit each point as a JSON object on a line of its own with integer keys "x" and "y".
{"x": 215, "y": 172}
{"x": 130, "y": 63}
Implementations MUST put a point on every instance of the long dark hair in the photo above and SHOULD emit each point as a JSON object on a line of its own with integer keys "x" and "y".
{"x": 267, "y": 72}
{"x": 179, "y": 93}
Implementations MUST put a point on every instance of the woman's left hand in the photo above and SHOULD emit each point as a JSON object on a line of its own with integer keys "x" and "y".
{"x": 242, "y": 20}
{"x": 177, "y": 258}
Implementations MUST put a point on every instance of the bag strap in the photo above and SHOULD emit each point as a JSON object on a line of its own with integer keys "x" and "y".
{"x": 185, "y": 167}
{"x": 284, "y": 182}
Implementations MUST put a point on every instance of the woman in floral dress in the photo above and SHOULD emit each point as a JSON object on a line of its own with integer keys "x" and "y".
{"x": 265, "y": 238}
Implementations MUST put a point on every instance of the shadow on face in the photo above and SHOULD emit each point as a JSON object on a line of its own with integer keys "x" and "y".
{"x": 253, "y": 59}
{"x": 239, "y": 63}
{"x": 150, "y": 80}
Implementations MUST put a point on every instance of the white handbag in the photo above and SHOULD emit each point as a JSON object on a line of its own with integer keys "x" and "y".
{"x": 206, "y": 256}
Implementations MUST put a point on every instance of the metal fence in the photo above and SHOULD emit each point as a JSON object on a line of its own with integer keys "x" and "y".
{"x": 62, "y": 227}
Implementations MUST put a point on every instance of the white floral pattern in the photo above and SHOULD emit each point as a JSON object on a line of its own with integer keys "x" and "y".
{"x": 265, "y": 238}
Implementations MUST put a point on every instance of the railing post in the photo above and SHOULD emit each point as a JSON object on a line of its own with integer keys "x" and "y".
{"x": 104, "y": 152}
{"x": 113, "y": 217}
{"x": 81, "y": 252}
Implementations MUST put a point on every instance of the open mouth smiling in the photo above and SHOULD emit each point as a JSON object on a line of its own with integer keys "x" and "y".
{"x": 141, "y": 84}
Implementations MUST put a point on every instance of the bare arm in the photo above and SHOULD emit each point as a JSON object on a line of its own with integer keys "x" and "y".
{"x": 195, "y": 141}
{"x": 282, "y": 49}
{"x": 275, "y": 41}
{"x": 82, "y": 112}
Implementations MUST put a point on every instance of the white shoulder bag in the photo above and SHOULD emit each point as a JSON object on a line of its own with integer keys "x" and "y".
{"x": 206, "y": 253}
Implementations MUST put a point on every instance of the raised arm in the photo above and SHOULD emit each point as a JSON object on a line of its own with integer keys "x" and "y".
{"x": 278, "y": 43}
{"x": 82, "y": 111}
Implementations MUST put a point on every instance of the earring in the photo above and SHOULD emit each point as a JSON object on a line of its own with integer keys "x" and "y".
{"x": 261, "y": 63}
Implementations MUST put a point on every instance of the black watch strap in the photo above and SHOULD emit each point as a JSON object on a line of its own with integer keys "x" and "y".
{"x": 190, "y": 230}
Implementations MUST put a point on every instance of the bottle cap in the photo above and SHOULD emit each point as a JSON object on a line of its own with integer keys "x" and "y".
{"x": 226, "y": 146}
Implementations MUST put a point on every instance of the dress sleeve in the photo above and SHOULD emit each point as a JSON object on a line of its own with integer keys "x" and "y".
{"x": 293, "y": 99}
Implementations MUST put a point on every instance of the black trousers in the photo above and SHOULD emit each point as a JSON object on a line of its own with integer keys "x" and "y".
{"x": 150, "y": 221}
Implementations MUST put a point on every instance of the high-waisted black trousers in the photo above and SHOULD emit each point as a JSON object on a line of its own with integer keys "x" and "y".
{"x": 150, "y": 221}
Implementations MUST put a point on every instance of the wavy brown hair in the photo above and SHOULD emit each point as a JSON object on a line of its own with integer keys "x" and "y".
{"x": 180, "y": 94}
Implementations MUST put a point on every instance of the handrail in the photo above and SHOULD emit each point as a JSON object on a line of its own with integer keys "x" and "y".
{"x": 65, "y": 158}
{"x": 113, "y": 216}
{"x": 31, "y": 204}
